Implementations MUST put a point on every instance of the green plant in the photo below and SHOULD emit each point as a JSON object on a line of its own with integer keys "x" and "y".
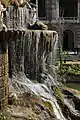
{"x": 48, "y": 105}
{"x": 66, "y": 71}
{"x": 59, "y": 95}
{"x": 35, "y": 81}
{"x": 65, "y": 55}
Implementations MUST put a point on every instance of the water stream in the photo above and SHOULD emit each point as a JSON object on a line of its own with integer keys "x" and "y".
{"x": 30, "y": 57}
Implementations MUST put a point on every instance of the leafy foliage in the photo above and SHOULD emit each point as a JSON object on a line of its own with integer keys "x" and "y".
{"x": 70, "y": 69}
{"x": 48, "y": 104}
{"x": 65, "y": 55}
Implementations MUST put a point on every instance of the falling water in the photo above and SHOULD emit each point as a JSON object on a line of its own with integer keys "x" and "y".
{"x": 29, "y": 55}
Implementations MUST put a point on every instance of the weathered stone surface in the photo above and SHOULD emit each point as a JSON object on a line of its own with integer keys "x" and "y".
{"x": 38, "y": 44}
{"x": 30, "y": 108}
{"x": 28, "y": 53}
{"x": 3, "y": 71}
{"x": 71, "y": 108}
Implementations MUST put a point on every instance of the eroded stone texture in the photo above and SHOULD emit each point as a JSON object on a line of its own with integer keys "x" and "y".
{"x": 3, "y": 71}
{"x": 38, "y": 45}
{"x": 29, "y": 53}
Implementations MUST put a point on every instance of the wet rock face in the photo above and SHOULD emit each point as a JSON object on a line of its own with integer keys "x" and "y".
{"x": 38, "y": 45}
{"x": 71, "y": 104}
{"x": 30, "y": 108}
{"x": 29, "y": 53}
{"x": 16, "y": 53}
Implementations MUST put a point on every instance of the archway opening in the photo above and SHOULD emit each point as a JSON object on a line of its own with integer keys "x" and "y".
{"x": 68, "y": 40}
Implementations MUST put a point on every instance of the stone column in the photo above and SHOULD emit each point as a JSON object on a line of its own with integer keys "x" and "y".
{"x": 3, "y": 70}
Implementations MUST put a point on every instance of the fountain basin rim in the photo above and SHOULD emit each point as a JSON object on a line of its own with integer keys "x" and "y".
{"x": 42, "y": 31}
{"x": 29, "y": 31}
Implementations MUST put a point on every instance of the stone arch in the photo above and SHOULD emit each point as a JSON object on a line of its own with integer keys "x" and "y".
{"x": 68, "y": 40}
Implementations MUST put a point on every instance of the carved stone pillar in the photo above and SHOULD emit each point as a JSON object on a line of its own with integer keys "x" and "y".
{"x": 3, "y": 70}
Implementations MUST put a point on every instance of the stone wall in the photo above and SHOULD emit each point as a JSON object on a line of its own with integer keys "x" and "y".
{"x": 74, "y": 27}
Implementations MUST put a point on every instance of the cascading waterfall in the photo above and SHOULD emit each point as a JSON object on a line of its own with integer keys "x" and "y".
{"x": 30, "y": 56}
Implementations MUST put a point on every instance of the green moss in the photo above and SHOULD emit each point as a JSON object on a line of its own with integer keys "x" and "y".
{"x": 59, "y": 95}
{"x": 48, "y": 105}
{"x": 35, "y": 81}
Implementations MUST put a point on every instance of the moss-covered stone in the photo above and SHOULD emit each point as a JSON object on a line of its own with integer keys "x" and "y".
{"x": 48, "y": 104}
{"x": 58, "y": 94}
